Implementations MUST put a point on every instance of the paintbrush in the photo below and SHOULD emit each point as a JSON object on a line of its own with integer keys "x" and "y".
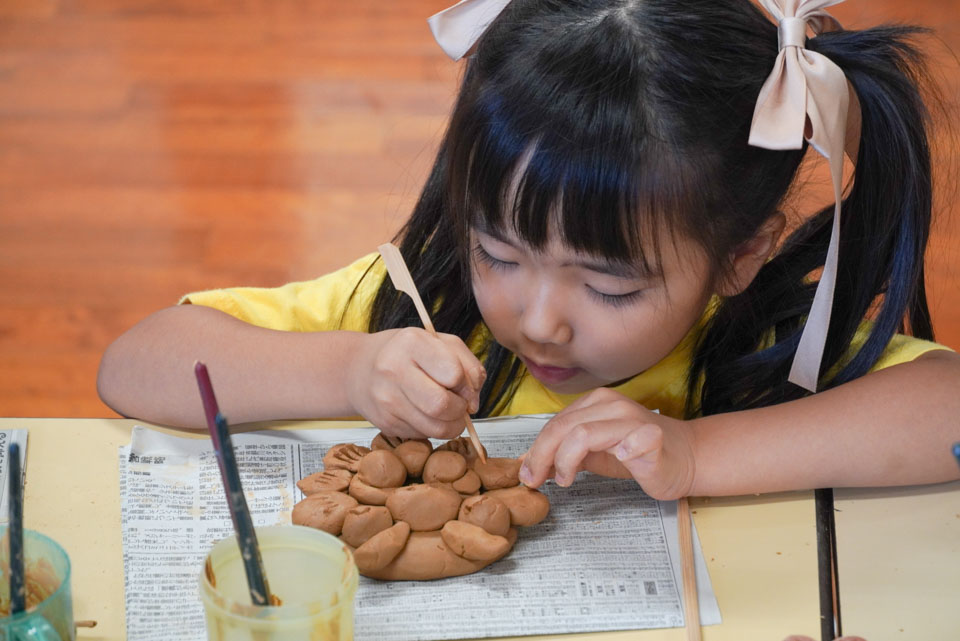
{"x": 239, "y": 512}
{"x": 403, "y": 281}
{"x": 15, "y": 531}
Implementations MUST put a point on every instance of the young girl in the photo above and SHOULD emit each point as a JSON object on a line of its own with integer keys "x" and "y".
{"x": 600, "y": 237}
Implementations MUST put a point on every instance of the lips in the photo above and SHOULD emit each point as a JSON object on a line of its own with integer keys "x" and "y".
{"x": 548, "y": 373}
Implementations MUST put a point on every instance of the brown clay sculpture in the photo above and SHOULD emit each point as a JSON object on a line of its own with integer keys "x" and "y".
{"x": 414, "y": 513}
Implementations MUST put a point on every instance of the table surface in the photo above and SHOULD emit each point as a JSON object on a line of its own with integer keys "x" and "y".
{"x": 899, "y": 562}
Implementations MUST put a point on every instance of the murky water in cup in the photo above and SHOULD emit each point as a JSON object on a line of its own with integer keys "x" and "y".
{"x": 311, "y": 572}
{"x": 49, "y": 613}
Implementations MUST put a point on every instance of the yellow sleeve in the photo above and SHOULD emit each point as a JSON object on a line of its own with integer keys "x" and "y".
{"x": 339, "y": 300}
{"x": 900, "y": 349}
{"x": 903, "y": 349}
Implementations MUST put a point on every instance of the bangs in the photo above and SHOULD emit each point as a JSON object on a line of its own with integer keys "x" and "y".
{"x": 574, "y": 152}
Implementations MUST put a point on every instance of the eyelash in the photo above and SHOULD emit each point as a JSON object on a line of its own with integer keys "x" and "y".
{"x": 614, "y": 300}
{"x": 484, "y": 257}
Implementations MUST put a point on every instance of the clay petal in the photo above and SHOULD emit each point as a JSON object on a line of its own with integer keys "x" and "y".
{"x": 414, "y": 455}
{"x": 473, "y": 542}
{"x": 324, "y": 510}
{"x": 363, "y": 522}
{"x": 424, "y": 507}
{"x": 335, "y": 480}
{"x": 382, "y": 548}
{"x": 462, "y": 445}
{"x": 382, "y": 468}
{"x": 426, "y": 556}
{"x": 469, "y": 483}
{"x": 367, "y": 494}
{"x": 444, "y": 467}
{"x": 487, "y": 512}
{"x": 344, "y": 456}
{"x": 380, "y": 442}
{"x": 527, "y": 506}
{"x": 498, "y": 473}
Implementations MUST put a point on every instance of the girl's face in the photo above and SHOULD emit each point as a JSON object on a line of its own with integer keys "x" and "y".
{"x": 579, "y": 322}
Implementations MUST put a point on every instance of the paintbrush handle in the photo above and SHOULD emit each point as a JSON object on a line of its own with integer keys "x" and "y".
{"x": 240, "y": 515}
{"x": 236, "y": 502}
{"x": 15, "y": 531}
{"x": 210, "y": 407}
{"x": 403, "y": 281}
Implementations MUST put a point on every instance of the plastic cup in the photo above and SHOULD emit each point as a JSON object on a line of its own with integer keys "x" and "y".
{"x": 47, "y": 569}
{"x": 311, "y": 572}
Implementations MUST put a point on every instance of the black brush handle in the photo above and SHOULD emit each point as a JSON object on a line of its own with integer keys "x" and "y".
{"x": 830, "y": 627}
{"x": 240, "y": 514}
{"x": 15, "y": 531}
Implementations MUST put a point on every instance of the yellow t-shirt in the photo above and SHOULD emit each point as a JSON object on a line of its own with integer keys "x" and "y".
{"x": 342, "y": 300}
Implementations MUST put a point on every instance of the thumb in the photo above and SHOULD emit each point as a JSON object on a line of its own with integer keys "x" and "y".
{"x": 640, "y": 449}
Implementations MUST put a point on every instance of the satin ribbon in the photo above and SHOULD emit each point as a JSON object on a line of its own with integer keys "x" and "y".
{"x": 807, "y": 87}
{"x": 803, "y": 86}
{"x": 457, "y": 28}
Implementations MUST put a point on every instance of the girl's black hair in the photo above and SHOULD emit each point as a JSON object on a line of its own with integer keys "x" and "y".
{"x": 610, "y": 119}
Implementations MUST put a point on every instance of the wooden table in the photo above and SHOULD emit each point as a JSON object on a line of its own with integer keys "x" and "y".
{"x": 899, "y": 550}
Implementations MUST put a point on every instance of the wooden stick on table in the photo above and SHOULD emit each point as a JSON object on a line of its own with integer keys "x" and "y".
{"x": 691, "y": 605}
{"x": 403, "y": 281}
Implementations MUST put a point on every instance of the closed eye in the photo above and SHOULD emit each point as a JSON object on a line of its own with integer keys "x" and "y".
{"x": 616, "y": 300}
{"x": 486, "y": 258}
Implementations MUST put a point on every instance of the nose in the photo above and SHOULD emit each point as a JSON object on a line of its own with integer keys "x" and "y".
{"x": 544, "y": 319}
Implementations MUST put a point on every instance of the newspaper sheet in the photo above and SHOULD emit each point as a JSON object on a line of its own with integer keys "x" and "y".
{"x": 7, "y": 437}
{"x": 606, "y": 557}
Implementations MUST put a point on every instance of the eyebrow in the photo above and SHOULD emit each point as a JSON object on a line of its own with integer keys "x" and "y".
{"x": 616, "y": 268}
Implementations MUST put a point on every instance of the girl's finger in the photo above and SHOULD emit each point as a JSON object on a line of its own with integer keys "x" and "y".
{"x": 433, "y": 355}
{"x": 663, "y": 468}
{"x": 542, "y": 454}
{"x": 641, "y": 453}
{"x": 392, "y": 425}
{"x": 432, "y": 399}
{"x": 538, "y": 461}
{"x": 447, "y": 361}
{"x": 639, "y": 442}
{"x": 396, "y": 411}
{"x": 471, "y": 365}
{"x": 595, "y": 436}
{"x": 417, "y": 424}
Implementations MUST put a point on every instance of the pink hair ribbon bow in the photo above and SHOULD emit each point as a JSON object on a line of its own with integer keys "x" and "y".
{"x": 807, "y": 86}
{"x": 457, "y": 28}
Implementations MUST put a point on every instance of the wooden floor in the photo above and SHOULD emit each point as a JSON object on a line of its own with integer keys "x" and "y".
{"x": 149, "y": 148}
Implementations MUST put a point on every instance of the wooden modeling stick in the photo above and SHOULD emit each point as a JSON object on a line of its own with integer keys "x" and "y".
{"x": 403, "y": 282}
{"x": 691, "y": 606}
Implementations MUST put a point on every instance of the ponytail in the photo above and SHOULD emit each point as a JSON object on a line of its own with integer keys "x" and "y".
{"x": 884, "y": 230}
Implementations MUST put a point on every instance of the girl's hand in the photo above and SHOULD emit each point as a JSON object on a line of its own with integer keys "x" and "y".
{"x": 412, "y": 384}
{"x": 607, "y": 433}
